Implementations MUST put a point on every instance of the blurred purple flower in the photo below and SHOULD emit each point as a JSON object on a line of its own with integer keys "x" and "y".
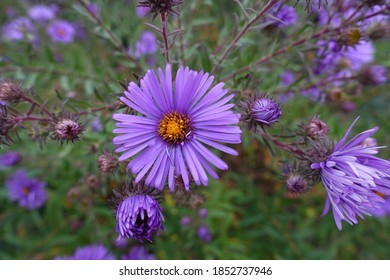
{"x": 352, "y": 175}
{"x": 287, "y": 78}
{"x": 185, "y": 221}
{"x": 96, "y": 125}
{"x": 61, "y": 31}
{"x": 203, "y": 212}
{"x": 9, "y": 158}
{"x": 373, "y": 75}
{"x": 141, "y": 11}
{"x": 138, "y": 217}
{"x": 90, "y": 252}
{"x": 168, "y": 136}
{"x": 138, "y": 253}
{"x": 146, "y": 46}
{"x": 287, "y": 16}
{"x": 383, "y": 211}
{"x": 19, "y": 29}
{"x": 204, "y": 234}
{"x": 30, "y": 193}
{"x": 94, "y": 8}
{"x": 10, "y": 12}
{"x": 42, "y": 13}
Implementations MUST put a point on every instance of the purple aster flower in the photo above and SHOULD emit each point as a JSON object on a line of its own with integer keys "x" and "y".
{"x": 287, "y": 78}
{"x": 174, "y": 124}
{"x": 9, "y": 158}
{"x": 96, "y": 125}
{"x": 19, "y": 29}
{"x": 204, "y": 234}
{"x": 266, "y": 111}
{"x": 284, "y": 16}
{"x": 90, "y": 252}
{"x": 61, "y": 31}
{"x": 203, "y": 212}
{"x": 138, "y": 253}
{"x": 185, "y": 221}
{"x": 42, "y": 13}
{"x": 139, "y": 213}
{"x": 141, "y": 11}
{"x": 30, "y": 193}
{"x": 352, "y": 176}
{"x": 94, "y": 8}
{"x": 373, "y": 75}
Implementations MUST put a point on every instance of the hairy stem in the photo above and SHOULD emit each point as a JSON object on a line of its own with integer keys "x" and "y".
{"x": 165, "y": 35}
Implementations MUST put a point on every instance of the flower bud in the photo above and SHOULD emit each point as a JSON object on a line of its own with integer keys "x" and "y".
{"x": 296, "y": 184}
{"x": 316, "y": 128}
{"x": 157, "y": 7}
{"x": 66, "y": 128}
{"x": 107, "y": 162}
{"x": 10, "y": 92}
{"x": 372, "y": 75}
{"x": 378, "y": 30}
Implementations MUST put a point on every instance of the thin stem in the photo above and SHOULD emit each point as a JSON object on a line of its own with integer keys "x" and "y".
{"x": 114, "y": 39}
{"x": 285, "y": 146}
{"x": 165, "y": 36}
{"x": 31, "y": 118}
{"x": 35, "y": 103}
{"x": 94, "y": 110}
{"x": 269, "y": 5}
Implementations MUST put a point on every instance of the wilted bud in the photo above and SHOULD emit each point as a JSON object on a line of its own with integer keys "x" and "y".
{"x": 157, "y": 7}
{"x": 334, "y": 94}
{"x": 66, "y": 128}
{"x": 261, "y": 111}
{"x": 10, "y": 92}
{"x": 372, "y": 75}
{"x": 316, "y": 128}
{"x": 296, "y": 184}
{"x": 196, "y": 201}
{"x": 378, "y": 30}
{"x": 107, "y": 162}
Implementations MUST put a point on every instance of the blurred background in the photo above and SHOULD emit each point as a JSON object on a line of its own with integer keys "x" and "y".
{"x": 247, "y": 214}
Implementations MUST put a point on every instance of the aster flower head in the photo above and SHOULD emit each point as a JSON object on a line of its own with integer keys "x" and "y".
{"x": 9, "y": 159}
{"x": 138, "y": 253}
{"x": 315, "y": 128}
{"x": 107, "y": 162}
{"x": 146, "y": 45}
{"x": 296, "y": 184}
{"x": 138, "y": 213}
{"x": 141, "y": 11}
{"x": 174, "y": 123}
{"x": 285, "y": 14}
{"x": 204, "y": 234}
{"x": 260, "y": 110}
{"x": 30, "y": 193}
{"x": 19, "y": 29}
{"x": 42, "y": 13}
{"x": 66, "y": 127}
{"x": 157, "y": 7}
{"x": 90, "y": 252}
{"x": 352, "y": 177}
{"x": 61, "y": 31}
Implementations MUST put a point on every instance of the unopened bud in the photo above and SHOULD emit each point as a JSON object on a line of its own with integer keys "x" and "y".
{"x": 67, "y": 128}
{"x": 296, "y": 184}
{"x": 107, "y": 162}
{"x": 10, "y": 92}
{"x": 316, "y": 128}
{"x": 378, "y": 30}
{"x": 372, "y": 75}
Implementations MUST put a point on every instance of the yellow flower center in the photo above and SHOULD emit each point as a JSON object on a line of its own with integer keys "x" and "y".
{"x": 174, "y": 128}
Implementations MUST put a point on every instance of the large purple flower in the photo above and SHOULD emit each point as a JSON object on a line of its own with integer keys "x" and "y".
{"x": 174, "y": 123}
{"x": 30, "y": 193}
{"x": 352, "y": 175}
{"x": 90, "y": 252}
{"x": 61, "y": 31}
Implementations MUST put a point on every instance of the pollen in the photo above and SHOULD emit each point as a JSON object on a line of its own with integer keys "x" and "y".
{"x": 174, "y": 128}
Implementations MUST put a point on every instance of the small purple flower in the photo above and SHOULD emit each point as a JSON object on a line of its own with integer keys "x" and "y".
{"x": 352, "y": 176}
{"x": 167, "y": 137}
{"x": 185, "y": 221}
{"x": 287, "y": 78}
{"x": 61, "y": 31}
{"x": 42, "y": 13}
{"x": 90, "y": 252}
{"x": 204, "y": 234}
{"x": 96, "y": 125}
{"x": 146, "y": 46}
{"x": 139, "y": 216}
{"x": 30, "y": 193}
{"x": 9, "y": 158}
{"x": 94, "y": 8}
{"x": 373, "y": 75}
{"x": 287, "y": 16}
{"x": 19, "y": 29}
{"x": 138, "y": 253}
{"x": 141, "y": 11}
{"x": 203, "y": 212}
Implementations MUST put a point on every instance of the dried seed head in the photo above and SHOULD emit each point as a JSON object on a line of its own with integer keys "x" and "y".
{"x": 157, "y": 7}
{"x": 107, "y": 162}
{"x": 66, "y": 127}
{"x": 10, "y": 92}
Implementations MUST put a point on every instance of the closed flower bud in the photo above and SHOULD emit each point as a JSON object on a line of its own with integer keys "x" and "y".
{"x": 373, "y": 75}
{"x": 316, "y": 128}
{"x": 157, "y": 7}
{"x": 10, "y": 92}
{"x": 66, "y": 128}
{"x": 296, "y": 184}
{"x": 93, "y": 182}
{"x": 261, "y": 110}
{"x": 378, "y": 30}
{"x": 107, "y": 162}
